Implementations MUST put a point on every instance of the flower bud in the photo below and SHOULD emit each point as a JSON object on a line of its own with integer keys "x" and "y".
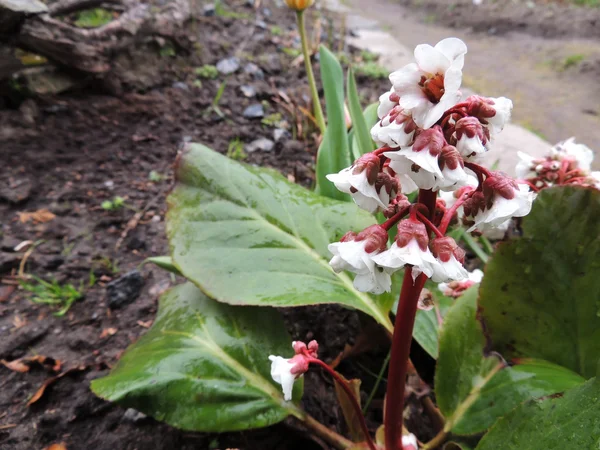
{"x": 299, "y": 5}
{"x": 445, "y": 247}
{"x": 432, "y": 140}
{"x": 409, "y": 229}
{"x": 375, "y": 237}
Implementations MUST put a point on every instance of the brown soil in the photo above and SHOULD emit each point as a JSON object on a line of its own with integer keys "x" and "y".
{"x": 71, "y": 152}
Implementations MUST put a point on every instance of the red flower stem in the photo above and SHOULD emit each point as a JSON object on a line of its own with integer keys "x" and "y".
{"x": 403, "y": 329}
{"x": 344, "y": 384}
{"x": 394, "y": 219}
{"x": 533, "y": 187}
{"x": 401, "y": 340}
{"x": 429, "y": 225}
{"x": 478, "y": 169}
{"x": 450, "y": 212}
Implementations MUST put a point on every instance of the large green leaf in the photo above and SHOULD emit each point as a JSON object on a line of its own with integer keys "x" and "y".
{"x": 541, "y": 293}
{"x": 334, "y": 152}
{"x": 247, "y": 236}
{"x": 571, "y": 421}
{"x": 509, "y": 388}
{"x": 203, "y": 366}
{"x": 462, "y": 368}
{"x": 427, "y": 326}
{"x": 362, "y": 136}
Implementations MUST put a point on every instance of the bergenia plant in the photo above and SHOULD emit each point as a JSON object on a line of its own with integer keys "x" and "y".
{"x": 430, "y": 142}
{"x": 217, "y": 358}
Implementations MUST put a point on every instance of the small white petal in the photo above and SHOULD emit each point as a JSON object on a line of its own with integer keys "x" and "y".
{"x": 524, "y": 168}
{"x": 503, "y": 209}
{"x": 397, "y": 257}
{"x": 452, "y": 270}
{"x": 281, "y": 372}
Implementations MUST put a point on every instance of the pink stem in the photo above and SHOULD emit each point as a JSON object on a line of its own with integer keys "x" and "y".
{"x": 429, "y": 225}
{"x": 401, "y": 340}
{"x": 403, "y": 329}
{"x": 394, "y": 219}
{"x": 478, "y": 169}
{"x": 450, "y": 212}
{"x": 344, "y": 384}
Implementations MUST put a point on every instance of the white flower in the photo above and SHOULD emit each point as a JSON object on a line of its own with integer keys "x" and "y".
{"x": 352, "y": 254}
{"x": 503, "y": 208}
{"x": 494, "y": 232}
{"x": 525, "y": 166}
{"x": 409, "y": 442}
{"x": 454, "y": 289}
{"x": 396, "y": 129}
{"x": 454, "y": 175}
{"x": 397, "y": 257}
{"x": 503, "y": 108}
{"x": 387, "y": 102}
{"x": 449, "y": 270}
{"x": 595, "y": 179}
{"x": 411, "y": 176}
{"x": 431, "y": 85}
{"x": 470, "y": 146}
{"x": 569, "y": 149}
{"x": 281, "y": 372}
{"x": 364, "y": 194}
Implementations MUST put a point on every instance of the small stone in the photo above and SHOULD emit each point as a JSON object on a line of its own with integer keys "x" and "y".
{"x": 180, "y": 85}
{"x": 209, "y": 10}
{"x": 263, "y": 144}
{"x": 272, "y": 63}
{"x": 228, "y": 65}
{"x": 279, "y": 134}
{"x": 15, "y": 190}
{"x": 29, "y": 111}
{"x": 248, "y": 91}
{"x": 124, "y": 290}
{"x": 9, "y": 243}
{"x": 132, "y": 415}
{"x": 109, "y": 184}
{"x": 255, "y": 111}
{"x": 267, "y": 12}
{"x": 261, "y": 24}
{"x": 254, "y": 70}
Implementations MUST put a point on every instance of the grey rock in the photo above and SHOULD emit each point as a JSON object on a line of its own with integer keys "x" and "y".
{"x": 9, "y": 243}
{"x": 280, "y": 134}
{"x": 267, "y": 12}
{"x": 248, "y": 90}
{"x": 15, "y": 190}
{"x": 180, "y": 85}
{"x": 255, "y": 111}
{"x": 263, "y": 144}
{"x": 261, "y": 24}
{"x": 132, "y": 415}
{"x": 124, "y": 290}
{"x": 14, "y": 345}
{"x": 228, "y": 65}
{"x": 272, "y": 63}
{"x": 209, "y": 10}
{"x": 254, "y": 70}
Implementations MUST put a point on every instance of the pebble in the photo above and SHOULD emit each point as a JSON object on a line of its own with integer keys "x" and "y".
{"x": 209, "y": 10}
{"x": 255, "y": 111}
{"x": 124, "y": 290}
{"x": 181, "y": 85}
{"x": 263, "y": 144}
{"x": 261, "y": 24}
{"x": 248, "y": 91}
{"x": 133, "y": 415}
{"x": 228, "y": 65}
{"x": 279, "y": 134}
{"x": 254, "y": 70}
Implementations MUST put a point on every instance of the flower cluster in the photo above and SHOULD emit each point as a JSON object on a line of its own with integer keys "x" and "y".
{"x": 429, "y": 141}
{"x": 566, "y": 163}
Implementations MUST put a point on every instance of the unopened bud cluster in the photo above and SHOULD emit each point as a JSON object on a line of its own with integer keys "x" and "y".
{"x": 429, "y": 141}
{"x": 566, "y": 163}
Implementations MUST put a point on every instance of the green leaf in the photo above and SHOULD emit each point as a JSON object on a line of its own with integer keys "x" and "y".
{"x": 462, "y": 369}
{"x": 456, "y": 445}
{"x": 247, "y": 236}
{"x": 512, "y": 386}
{"x": 571, "y": 421}
{"x": 334, "y": 152}
{"x": 541, "y": 293}
{"x": 203, "y": 366}
{"x": 427, "y": 327}
{"x": 164, "y": 262}
{"x": 362, "y": 136}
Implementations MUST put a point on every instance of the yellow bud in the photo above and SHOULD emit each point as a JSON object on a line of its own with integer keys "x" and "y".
{"x": 299, "y": 5}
